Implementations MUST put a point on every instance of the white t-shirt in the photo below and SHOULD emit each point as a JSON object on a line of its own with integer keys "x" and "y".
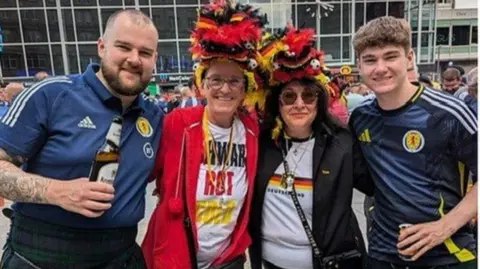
{"x": 284, "y": 242}
{"x": 217, "y": 211}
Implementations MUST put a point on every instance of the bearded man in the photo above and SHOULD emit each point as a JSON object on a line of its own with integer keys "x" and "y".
{"x": 53, "y": 131}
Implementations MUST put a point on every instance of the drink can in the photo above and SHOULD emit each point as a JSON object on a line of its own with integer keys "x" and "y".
{"x": 402, "y": 227}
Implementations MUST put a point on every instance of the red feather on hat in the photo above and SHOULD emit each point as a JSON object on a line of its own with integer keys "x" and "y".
{"x": 298, "y": 40}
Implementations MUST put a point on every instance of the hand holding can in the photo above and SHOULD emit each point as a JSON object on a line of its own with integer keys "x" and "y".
{"x": 402, "y": 227}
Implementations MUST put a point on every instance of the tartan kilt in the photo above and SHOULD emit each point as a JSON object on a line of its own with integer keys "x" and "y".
{"x": 42, "y": 245}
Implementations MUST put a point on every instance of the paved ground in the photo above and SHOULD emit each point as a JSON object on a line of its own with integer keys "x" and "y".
{"x": 357, "y": 205}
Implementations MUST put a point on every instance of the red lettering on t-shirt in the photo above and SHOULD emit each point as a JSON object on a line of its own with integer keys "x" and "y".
{"x": 209, "y": 188}
{"x": 230, "y": 183}
{"x": 223, "y": 181}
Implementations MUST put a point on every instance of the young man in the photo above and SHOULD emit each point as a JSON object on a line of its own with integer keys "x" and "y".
{"x": 417, "y": 143}
{"x": 53, "y": 130}
{"x": 452, "y": 81}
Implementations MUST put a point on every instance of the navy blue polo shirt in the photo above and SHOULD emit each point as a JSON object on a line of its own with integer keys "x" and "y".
{"x": 59, "y": 123}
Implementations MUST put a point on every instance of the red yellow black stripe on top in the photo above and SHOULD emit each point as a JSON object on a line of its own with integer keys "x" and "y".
{"x": 301, "y": 184}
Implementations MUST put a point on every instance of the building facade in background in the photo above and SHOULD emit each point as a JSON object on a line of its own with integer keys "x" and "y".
{"x": 59, "y": 36}
{"x": 457, "y": 33}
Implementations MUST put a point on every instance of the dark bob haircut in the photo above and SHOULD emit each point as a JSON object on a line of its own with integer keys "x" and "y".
{"x": 323, "y": 118}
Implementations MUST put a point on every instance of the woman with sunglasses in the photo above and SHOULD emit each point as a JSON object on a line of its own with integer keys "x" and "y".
{"x": 207, "y": 158}
{"x": 308, "y": 166}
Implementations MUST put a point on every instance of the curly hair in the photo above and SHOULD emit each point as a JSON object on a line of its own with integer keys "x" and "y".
{"x": 382, "y": 32}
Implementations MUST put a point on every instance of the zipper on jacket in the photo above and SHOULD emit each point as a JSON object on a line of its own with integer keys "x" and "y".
{"x": 187, "y": 222}
{"x": 191, "y": 246}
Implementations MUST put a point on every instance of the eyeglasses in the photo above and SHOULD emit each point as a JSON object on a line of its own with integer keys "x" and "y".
{"x": 308, "y": 96}
{"x": 216, "y": 83}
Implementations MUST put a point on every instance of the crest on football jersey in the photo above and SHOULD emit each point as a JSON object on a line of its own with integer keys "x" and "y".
{"x": 413, "y": 141}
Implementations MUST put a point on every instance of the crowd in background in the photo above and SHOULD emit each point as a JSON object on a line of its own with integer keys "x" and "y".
{"x": 454, "y": 81}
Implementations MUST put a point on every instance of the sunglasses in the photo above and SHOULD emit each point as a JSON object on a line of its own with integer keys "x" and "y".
{"x": 290, "y": 97}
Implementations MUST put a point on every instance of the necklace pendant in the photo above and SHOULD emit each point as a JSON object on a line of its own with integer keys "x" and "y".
{"x": 287, "y": 181}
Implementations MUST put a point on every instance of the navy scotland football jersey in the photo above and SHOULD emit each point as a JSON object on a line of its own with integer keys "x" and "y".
{"x": 418, "y": 155}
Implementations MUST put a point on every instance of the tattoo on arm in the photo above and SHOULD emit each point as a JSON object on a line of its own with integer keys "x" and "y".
{"x": 19, "y": 186}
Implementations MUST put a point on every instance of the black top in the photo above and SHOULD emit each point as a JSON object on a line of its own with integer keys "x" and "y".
{"x": 338, "y": 167}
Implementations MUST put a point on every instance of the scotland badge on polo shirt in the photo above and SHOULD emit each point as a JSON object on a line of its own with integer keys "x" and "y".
{"x": 143, "y": 127}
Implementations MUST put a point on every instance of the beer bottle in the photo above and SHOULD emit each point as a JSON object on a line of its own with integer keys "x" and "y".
{"x": 105, "y": 165}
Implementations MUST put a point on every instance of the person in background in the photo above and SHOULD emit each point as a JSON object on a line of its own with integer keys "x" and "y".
{"x": 48, "y": 141}
{"x": 337, "y": 101}
{"x": 471, "y": 99}
{"x": 162, "y": 102}
{"x": 196, "y": 92}
{"x": 458, "y": 67}
{"x": 425, "y": 81}
{"x": 417, "y": 143}
{"x": 39, "y": 76}
{"x": 451, "y": 80}
{"x": 207, "y": 160}
{"x": 191, "y": 85}
{"x": 12, "y": 90}
{"x": 308, "y": 167}
{"x": 175, "y": 99}
{"x": 356, "y": 94}
{"x": 472, "y": 74}
{"x": 188, "y": 98}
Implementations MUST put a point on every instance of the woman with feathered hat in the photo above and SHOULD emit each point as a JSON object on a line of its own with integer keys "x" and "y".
{"x": 308, "y": 165}
{"x": 207, "y": 158}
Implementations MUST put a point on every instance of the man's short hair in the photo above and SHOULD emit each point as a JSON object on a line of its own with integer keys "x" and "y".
{"x": 136, "y": 16}
{"x": 41, "y": 75}
{"x": 382, "y": 32}
{"x": 451, "y": 74}
{"x": 13, "y": 89}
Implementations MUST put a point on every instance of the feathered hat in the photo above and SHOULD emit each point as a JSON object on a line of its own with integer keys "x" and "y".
{"x": 290, "y": 55}
{"x": 226, "y": 32}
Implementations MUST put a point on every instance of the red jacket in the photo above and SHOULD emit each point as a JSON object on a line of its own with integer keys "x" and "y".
{"x": 165, "y": 244}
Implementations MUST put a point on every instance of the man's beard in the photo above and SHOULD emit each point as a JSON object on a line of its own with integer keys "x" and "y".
{"x": 115, "y": 84}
